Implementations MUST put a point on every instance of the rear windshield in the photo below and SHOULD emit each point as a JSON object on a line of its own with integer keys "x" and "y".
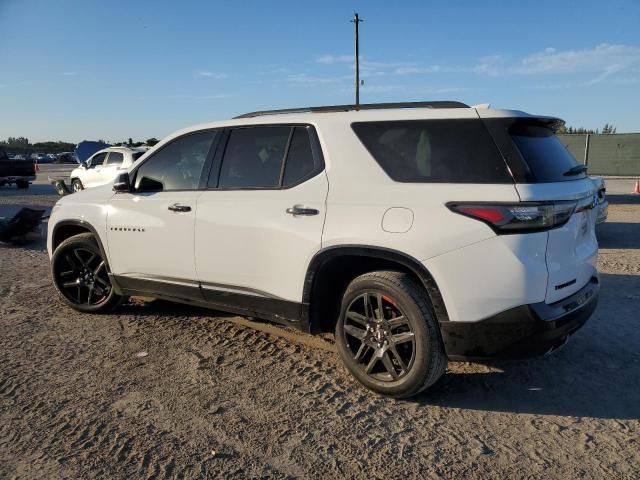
{"x": 434, "y": 151}
{"x": 137, "y": 155}
{"x": 545, "y": 156}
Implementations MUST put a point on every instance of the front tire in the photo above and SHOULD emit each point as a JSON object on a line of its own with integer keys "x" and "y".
{"x": 387, "y": 334}
{"x": 76, "y": 185}
{"x": 81, "y": 275}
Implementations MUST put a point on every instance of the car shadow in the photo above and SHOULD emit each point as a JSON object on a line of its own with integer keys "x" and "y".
{"x": 597, "y": 374}
{"x": 618, "y": 235}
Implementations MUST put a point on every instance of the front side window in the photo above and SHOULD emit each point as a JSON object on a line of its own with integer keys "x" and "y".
{"x": 434, "y": 151}
{"x": 97, "y": 160}
{"x": 178, "y": 165}
{"x": 115, "y": 158}
{"x": 253, "y": 157}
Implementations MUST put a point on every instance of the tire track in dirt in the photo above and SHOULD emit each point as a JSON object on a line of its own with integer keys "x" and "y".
{"x": 76, "y": 401}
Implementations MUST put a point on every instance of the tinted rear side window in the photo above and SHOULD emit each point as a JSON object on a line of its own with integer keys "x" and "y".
{"x": 115, "y": 158}
{"x": 543, "y": 153}
{"x": 253, "y": 157}
{"x": 300, "y": 160}
{"x": 434, "y": 151}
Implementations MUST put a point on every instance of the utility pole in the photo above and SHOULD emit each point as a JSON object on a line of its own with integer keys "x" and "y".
{"x": 356, "y": 20}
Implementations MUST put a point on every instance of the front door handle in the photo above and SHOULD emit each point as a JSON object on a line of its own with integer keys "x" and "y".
{"x": 300, "y": 210}
{"x": 176, "y": 207}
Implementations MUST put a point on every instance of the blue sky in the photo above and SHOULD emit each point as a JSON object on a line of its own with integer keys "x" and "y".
{"x": 88, "y": 69}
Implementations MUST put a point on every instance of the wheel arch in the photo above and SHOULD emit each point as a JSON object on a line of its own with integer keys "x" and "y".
{"x": 68, "y": 228}
{"x": 332, "y": 268}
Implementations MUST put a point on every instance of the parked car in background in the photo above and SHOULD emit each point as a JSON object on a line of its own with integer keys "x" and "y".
{"x": 67, "y": 157}
{"x": 602, "y": 208}
{"x": 16, "y": 171}
{"x": 417, "y": 233}
{"x": 103, "y": 167}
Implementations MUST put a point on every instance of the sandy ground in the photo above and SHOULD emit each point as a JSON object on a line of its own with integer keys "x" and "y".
{"x": 215, "y": 397}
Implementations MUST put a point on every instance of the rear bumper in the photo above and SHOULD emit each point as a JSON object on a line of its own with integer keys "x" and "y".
{"x": 523, "y": 331}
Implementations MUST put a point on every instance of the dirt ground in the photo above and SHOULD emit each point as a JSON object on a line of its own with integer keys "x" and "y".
{"x": 215, "y": 397}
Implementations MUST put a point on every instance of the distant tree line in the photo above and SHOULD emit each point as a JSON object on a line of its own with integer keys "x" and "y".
{"x": 606, "y": 130}
{"x": 21, "y": 145}
{"x": 130, "y": 143}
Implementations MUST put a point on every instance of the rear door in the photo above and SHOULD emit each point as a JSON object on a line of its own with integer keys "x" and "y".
{"x": 260, "y": 222}
{"x": 546, "y": 171}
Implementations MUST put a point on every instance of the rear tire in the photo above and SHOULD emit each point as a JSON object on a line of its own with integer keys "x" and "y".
{"x": 387, "y": 334}
{"x": 22, "y": 184}
{"x": 76, "y": 185}
{"x": 81, "y": 275}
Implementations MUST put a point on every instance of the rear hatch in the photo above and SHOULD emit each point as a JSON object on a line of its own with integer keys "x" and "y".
{"x": 545, "y": 171}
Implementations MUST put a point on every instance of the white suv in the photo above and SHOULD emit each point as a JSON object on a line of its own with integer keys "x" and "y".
{"x": 103, "y": 167}
{"x": 417, "y": 232}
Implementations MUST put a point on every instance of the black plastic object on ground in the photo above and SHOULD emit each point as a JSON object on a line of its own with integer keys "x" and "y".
{"x": 25, "y": 221}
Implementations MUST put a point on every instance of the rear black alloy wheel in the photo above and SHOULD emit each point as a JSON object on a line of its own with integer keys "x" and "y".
{"x": 81, "y": 275}
{"x": 388, "y": 336}
{"x": 379, "y": 336}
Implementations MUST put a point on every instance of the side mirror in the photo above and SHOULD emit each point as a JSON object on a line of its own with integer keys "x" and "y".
{"x": 122, "y": 183}
{"x": 147, "y": 184}
{"x": 83, "y": 164}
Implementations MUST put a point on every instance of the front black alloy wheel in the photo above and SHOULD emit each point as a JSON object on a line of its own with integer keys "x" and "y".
{"x": 387, "y": 334}
{"x": 81, "y": 275}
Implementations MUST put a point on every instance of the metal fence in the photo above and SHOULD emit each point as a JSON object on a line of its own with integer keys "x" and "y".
{"x": 616, "y": 154}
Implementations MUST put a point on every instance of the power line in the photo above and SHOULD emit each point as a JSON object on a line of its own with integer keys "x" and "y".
{"x": 356, "y": 21}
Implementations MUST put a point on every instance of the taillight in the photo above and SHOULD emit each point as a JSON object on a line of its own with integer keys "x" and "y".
{"x": 518, "y": 217}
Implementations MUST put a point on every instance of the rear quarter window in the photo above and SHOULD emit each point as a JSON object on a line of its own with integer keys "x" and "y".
{"x": 532, "y": 150}
{"x": 545, "y": 156}
{"x": 434, "y": 151}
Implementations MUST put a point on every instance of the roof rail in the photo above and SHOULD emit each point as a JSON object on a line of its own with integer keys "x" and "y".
{"x": 362, "y": 106}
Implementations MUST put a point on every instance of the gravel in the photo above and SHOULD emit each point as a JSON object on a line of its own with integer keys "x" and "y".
{"x": 160, "y": 390}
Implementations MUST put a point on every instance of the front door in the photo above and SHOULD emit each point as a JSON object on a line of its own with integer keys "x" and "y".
{"x": 93, "y": 175}
{"x": 111, "y": 167}
{"x": 260, "y": 222}
{"x": 150, "y": 230}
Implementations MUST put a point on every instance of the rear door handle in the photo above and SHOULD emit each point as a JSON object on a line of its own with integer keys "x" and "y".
{"x": 300, "y": 210}
{"x": 176, "y": 207}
